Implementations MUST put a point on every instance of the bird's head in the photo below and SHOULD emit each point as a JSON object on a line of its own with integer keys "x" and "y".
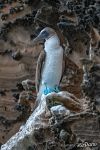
{"x": 45, "y": 34}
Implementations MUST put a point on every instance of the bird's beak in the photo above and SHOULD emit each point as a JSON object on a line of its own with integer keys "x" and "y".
{"x": 38, "y": 40}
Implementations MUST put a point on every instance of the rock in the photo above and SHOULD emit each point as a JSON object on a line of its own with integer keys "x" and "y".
{"x": 28, "y": 85}
{"x": 17, "y": 55}
{"x": 78, "y": 28}
{"x": 36, "y": 125}
{"x": 59, "y": 111}
{"x": 64, "y": 135}
{"x": 66, "y": 99}
{"x": 2, "y": 92}
{"x": 19, "y": 86}
{"x": 16, "y": 95}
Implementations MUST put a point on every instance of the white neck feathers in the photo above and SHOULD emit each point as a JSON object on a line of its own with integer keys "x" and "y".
{"x": 52, "y": 43}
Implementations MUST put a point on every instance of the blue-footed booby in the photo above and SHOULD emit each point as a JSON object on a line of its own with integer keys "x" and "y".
{"x": 51, "y": 62}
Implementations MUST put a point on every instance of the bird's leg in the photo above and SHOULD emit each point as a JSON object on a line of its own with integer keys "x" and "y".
{"x": 49, "y": 90}
{"x": 46, "y": 89}
{"x": 57, "y": 89}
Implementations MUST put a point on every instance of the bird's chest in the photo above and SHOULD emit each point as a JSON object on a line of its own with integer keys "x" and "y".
{"x": 53, "y": 60}
{"x": 52, "y": 69}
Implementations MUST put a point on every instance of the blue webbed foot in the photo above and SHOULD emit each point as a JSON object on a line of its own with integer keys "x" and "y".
{"x": 49, "y": 90}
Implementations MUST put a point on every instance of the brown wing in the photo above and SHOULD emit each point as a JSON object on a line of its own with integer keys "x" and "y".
{"x": 39, "y": 67}
{"x": 63, "y": 66}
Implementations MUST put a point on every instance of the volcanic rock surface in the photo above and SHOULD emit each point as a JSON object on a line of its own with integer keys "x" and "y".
{"x": 77, "y": 22}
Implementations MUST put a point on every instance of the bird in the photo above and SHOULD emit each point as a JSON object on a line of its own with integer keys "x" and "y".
{"x": 51, "y": 62}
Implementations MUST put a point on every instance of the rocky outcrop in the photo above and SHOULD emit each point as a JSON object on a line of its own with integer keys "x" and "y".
{"x": 78, "y": 26}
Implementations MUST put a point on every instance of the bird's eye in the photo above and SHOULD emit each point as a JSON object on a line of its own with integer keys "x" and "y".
{"x": 45, "y": 34}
